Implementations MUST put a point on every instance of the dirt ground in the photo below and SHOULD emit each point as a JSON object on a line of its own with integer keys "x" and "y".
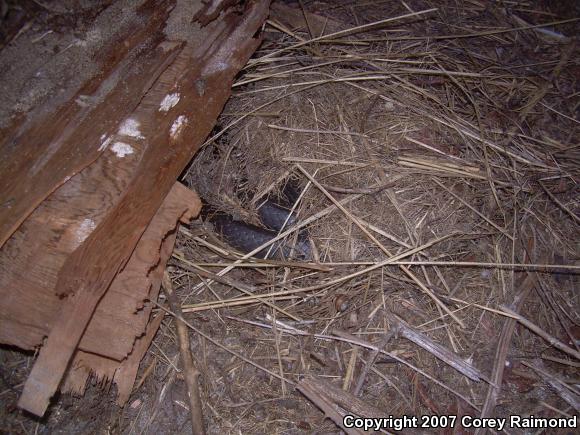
{"x": 449, "y": 133}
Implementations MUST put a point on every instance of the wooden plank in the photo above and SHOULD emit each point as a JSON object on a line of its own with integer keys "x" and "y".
{"x": 202, "y": 81}
{"x": 42, "y": 154}
{"x": 31, "y": 259}
{"x": 148, "y": 260}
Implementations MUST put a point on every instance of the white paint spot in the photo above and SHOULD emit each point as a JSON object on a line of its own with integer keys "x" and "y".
{"x": 136, "y": 404}
{"x": 122, "y": 149}
{"x": 105, "y": 141}
{"x": 130, "y": 127}
{"x": 85, "y": 229}
{"x": 215, "y": 67}
{"x": 169, "y": 101}
{"x": 177, "y": 126}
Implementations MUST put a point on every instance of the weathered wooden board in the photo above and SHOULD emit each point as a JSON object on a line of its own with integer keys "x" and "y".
{"x": 54, "y": 144}
{"x": 31, "y": 259}
{"x": 171, "y": 121}
{"x": 147, "y": 263}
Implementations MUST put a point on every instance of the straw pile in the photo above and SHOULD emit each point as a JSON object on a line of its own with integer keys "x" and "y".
{"x": 437, "y": 155}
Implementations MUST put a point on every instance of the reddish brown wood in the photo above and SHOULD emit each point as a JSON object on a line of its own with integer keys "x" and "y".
{"x": 147, "y": 261}
{"x": 31, "y": 259}
{"x": 127, "y": 372}
{"x": 202, "y": 79}
{"x": 44, "y": 152}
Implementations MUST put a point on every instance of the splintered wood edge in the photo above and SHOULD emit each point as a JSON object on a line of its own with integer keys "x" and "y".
{"x": 89, "y": 279}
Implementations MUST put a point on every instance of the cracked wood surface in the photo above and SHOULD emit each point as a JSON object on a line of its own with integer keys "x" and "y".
{"x": 201, "y": 77}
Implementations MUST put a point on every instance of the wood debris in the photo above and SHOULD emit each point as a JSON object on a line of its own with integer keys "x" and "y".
{"x": 89, "y": 199}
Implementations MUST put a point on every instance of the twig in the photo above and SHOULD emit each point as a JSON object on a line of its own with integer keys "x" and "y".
{"x": 553, "y": 341}
{"x": 568, "y": 394}
{"x": 190, "y": 371}
{"x": 437, "y": 350}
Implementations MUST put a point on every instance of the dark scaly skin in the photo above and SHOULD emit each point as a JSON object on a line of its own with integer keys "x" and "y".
{"x": 273, "y": 216}
{"x": 246, "y": 238}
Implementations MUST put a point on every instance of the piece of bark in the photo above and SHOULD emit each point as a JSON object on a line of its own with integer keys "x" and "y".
{"x": 127, "y": 372}
{"x": 202, "y": 79}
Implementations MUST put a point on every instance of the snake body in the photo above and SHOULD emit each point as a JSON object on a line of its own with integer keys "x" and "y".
{"x": 247, "y": 237}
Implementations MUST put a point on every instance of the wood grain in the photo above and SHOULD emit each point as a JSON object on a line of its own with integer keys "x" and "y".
{"x": 203, "y": 80}
{"x": 147, "y": 262}
{"x": 59, "y": 142}
{"x": 31, "y": 259}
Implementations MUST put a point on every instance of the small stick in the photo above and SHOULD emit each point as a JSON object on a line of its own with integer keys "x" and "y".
{"x": 568, "y": 394}
{"x": 559, "y": 204}
{"x": 190, "y": 372}
{"x": 325, "y": 162}
{"x": 437, "y": 350}
{"x": 371, "y": 360}
{"x": 553, "y": 341}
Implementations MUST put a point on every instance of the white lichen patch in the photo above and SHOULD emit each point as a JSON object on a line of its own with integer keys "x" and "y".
{"x": 86, "y": 227}
{"x": 130, "y": 127}
{"x": 178, "y": 126}
{"x": 122, "y": 149}
{"x": 105, "y": 141}
{"x": 169, "y": 101}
